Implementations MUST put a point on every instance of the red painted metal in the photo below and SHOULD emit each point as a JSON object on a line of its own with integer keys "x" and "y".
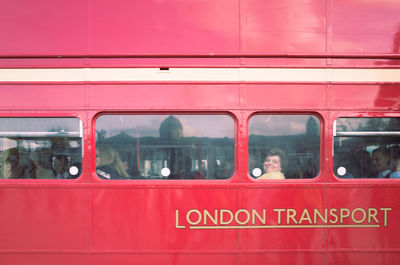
{"x": 206, "y": 28}
{"x": 94, "y": 221}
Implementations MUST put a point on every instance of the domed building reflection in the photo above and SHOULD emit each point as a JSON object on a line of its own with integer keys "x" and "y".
{"x": 185, "y": 157}
{"x": 171, "y": 128}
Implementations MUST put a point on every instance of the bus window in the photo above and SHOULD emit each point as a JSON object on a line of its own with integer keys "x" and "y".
{"x": 284, "y": 146}
{"x": 40, "y": 148}
{"x": 367, "y": 147}
{"x": 165, "y": 147}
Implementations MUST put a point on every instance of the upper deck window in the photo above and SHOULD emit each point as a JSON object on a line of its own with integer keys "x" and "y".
{"x": 40, "y": 148}
{"x": 165, "y": 146}
{"x": 367, "y": 148}
{"x": 284, "y": 146}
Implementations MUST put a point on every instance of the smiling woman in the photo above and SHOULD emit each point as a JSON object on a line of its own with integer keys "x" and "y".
{"x": 274, "y": 163}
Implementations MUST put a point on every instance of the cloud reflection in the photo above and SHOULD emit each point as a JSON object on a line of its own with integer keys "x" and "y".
{"x": 214, "y": 126}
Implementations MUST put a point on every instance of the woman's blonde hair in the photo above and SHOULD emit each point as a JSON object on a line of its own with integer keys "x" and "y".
{"x": 109, "y": 157}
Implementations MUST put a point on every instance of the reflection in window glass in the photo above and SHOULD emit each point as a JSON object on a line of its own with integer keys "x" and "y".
{"x": 284, "y": 146}
{"x": 367, "y": 148}
{"x": 40, "y": 148}
{"x": 165, "y": 147}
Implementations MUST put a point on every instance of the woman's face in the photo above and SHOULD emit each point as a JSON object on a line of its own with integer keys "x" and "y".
{"x": 272, "y": 164}
{"x": 104, "y": 158}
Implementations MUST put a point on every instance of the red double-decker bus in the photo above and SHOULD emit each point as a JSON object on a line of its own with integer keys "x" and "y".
{"x": 199, "y": 132}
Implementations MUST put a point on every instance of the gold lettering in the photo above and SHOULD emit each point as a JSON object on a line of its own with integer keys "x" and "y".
{"x": 385, "y": 215}
{"x": 198, "y": 217}
{"x": 364, "y": 215}
{"x": 332, "y": 212}
{"x": 237, "y": 216}
{"x": 177, "y": 220}
{"x": 324, "y": 218}
{"x": 221, "y": 217}
{"x": 291, "y": 213}
{"x": 305, "y": 216}
{"x": 344, "y": 213}
{"x": 330, "y": 217}
{"x": 262, "y": 219}
{"x": 279, "y": 214}
{"x": 372, "y": 215}
{"x": 213, "y": 220}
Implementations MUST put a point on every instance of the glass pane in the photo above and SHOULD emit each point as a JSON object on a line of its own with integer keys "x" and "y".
{"x": 368, "y": 125}
{"x": 284, "y": 146}
{"x": 40, "y": 148}
{"x": 165, "y": 146}
{"x": 373, "y": 155}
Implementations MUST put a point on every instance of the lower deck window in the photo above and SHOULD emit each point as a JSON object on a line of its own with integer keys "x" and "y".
{"x": 284, "y": 146}
{"x": 367, "y": 148}
{"x": 40, "y": 148}
{"x": 165, "y": 146}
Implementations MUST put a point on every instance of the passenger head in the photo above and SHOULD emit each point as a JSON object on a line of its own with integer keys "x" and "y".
{"x": 11, "y": 166}
{"x": 380, "y": 159}
{"x": 107, "y": 156}
{"x": 60, "y": 164}
{"x": 19, "y": 166}
{"x": 275, "y": 160}
{"x": 11, "y": 169}
{"x": 27, "y": 168}
{"x": 395, "y": 151}
{"x": 397, "y": 165}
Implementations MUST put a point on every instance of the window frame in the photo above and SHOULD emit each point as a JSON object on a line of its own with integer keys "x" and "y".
{"x": 43, "y": 115}
{"x": 318, "y": 115}
{"x": 359, "y": 114}
{"x": 146, "y": 182}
